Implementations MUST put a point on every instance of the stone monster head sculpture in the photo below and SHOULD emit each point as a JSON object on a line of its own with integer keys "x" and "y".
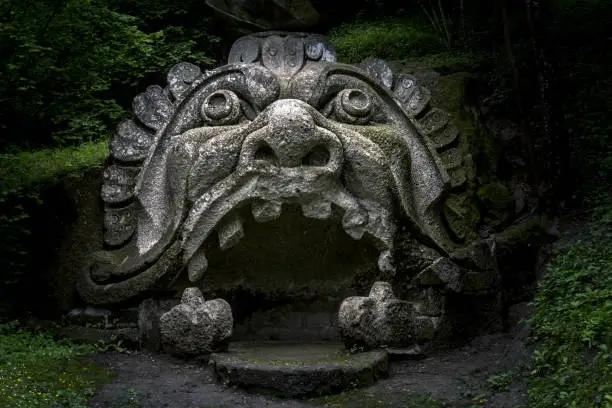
{"x": 283, "y": 122}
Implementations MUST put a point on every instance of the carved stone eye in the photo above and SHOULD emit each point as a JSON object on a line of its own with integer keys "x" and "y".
{"x": 353, "y": 106}
{"x": 221, "y": 108}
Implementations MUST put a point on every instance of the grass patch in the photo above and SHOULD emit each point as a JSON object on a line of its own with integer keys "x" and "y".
{"x": 572, "y": 366}
{"x": 390, "y": 39}
{"x": 38, "y": 372}
{"x": 25, "y": 169}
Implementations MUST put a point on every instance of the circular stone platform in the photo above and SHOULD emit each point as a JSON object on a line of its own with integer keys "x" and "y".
{"x": 297, "y": 370}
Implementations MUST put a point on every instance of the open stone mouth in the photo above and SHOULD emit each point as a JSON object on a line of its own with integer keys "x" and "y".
{"x": 266, "y": 189}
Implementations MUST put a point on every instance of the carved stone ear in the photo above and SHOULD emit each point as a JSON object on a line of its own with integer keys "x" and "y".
{"x": 180, "y": 78}
{"x": 379, "y": 70}
{"x": 413, "y": 97}
{"x": 152, "y": 107}
{"x": 245, "y": 50}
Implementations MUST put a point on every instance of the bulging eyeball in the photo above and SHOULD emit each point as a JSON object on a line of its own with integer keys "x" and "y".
{"x": 353, "y": 106}
{"x": 221, "y": 108}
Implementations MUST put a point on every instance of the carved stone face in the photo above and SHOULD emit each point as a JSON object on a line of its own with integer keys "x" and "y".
{"x": 282, "y": 123}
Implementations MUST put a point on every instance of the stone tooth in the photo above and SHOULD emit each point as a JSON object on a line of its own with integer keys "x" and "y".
{"x": 354, "y": 223}
{"x": 230, "y": 233}
{"x": 317, "y": 209}
{"x": 264, "y": 211}
{"x": 385, "y": 262}
{"x": 198, "y": 264}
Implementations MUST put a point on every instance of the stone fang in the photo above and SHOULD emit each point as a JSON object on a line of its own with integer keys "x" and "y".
{"x": 230, "y": 233}
{"x": 354, "y": 223}
{"x": 264, "y": 211}
{"x": 197, "y": 266}
{"x": 385, "y": 262}
{"x": 317, "y": 209}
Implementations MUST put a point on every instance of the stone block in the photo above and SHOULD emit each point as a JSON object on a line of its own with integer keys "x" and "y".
{"x": 377, "y": 320}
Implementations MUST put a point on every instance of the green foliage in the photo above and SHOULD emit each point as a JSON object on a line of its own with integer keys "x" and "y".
{"x": 38, "y": 372}
{"x": 391, "y": 40}
{"x": 60, "y": 60}
{"x": 29, "y": 168}
{"x": 572, "y": 365}
{"x": 501, "y": 382}
{"x": 22, "y": 175}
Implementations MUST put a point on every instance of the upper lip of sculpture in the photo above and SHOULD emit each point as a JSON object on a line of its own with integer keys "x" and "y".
{"x": 267, "y": 188}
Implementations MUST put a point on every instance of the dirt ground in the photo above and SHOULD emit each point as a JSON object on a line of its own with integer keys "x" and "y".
{"x": 487, "y": 372}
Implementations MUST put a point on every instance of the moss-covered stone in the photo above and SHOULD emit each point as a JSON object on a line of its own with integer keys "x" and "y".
{"x": 298, "y": 370}
{"x": 495, "y": 195}
{"x": 462, "y": 215}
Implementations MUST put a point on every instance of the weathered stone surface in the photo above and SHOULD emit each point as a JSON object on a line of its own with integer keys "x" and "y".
{"x": 479, "y": 255}
{"x": 414, "y": 98}
{"x": 290, "y": 325}
{"x": 149, "y": 313}
{"x": 119, "y": 182}
{"x": 119, "y": 225}
{"x": 131, "y": 142}
{"x": 196, "y": 327}
{"x": 377, "y": 320}
{"x": 461, "y": 214}
{"x": 379, "y": 70}
{"x": 442, "y": 271}
{"x": 180, "y": 78}
{"x": 152, "y": 107}
{"x": 444, "y": 135}
{"x": 431, "y": 302}
{"x": 297, "y": 370}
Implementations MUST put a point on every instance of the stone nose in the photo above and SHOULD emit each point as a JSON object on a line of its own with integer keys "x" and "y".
{"x": 291, "y": 138}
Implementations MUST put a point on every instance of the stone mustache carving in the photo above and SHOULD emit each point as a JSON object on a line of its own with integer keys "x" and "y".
{"x": 282, "y": 123}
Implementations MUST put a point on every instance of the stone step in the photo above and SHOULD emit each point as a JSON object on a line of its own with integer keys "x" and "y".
{"x": 297, "y": 370}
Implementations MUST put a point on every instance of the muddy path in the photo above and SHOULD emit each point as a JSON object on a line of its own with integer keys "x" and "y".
{"x": 487, "y": 372}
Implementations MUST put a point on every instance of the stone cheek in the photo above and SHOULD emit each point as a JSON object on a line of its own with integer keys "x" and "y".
{"x": 196, "y": 327}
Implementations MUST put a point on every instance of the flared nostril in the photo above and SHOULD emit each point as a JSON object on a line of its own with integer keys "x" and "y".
{"x": 317, "y": 156}
{"x": 265, "y": 153}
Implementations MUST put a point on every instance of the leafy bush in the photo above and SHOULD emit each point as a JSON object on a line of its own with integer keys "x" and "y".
{"x": 572, "y": 366}
{"x": 391, "y": 40}
{"x": 21, "y": 178}
{"x": 38, "y": 372}
{"x": 64, "y": 64}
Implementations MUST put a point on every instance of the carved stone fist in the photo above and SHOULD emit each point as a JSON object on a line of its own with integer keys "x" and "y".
{"x": 196, "y": 327}
{"x": 377, "y": 320}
